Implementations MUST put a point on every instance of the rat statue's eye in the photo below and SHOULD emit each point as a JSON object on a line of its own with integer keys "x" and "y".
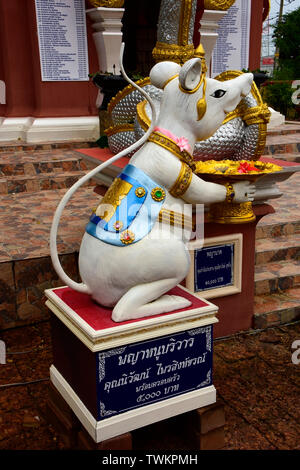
{"x": 218, "y": 93}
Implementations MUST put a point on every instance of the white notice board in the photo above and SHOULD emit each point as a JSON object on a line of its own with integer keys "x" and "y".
{"x": 232, "y": 47}
{"x": 62, "y": 40}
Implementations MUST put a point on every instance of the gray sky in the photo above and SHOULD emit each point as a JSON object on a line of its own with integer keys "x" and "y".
{"x": 288, "y": 6}
{"x": 267, "y": 44}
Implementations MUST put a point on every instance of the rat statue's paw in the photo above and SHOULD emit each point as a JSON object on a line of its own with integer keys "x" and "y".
{"x": 244, "y": 191}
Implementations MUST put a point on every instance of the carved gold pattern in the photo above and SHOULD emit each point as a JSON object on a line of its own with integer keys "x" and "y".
{"x": 231, "y": 213}
{"x": 218, "y": 4}
{"x": 112, "y": 199}
{"x": 122, "y": 93}
{"x": 182, "y": 182}
{"x": 127, "y": 237}
{"x": 107, "y": 3}
{"x": 184, "y": 22}
{"x": 176, "y": 219}
{"x": 119, "y": 128}
{"x": 171, "y": 146}
{"x": 173, "y": 52}
{"x": 259, "y": 114}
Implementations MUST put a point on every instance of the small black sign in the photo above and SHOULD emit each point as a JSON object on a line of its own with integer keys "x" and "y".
{"x": 214, "y": 267}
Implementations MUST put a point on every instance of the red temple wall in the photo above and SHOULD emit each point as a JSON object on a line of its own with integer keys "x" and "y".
{"x": 26, "y": 94}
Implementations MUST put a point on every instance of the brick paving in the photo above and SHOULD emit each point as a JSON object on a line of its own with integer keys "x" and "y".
{"x": 253, "y": 373}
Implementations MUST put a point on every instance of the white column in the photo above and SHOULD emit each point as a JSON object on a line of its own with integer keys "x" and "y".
{"x": 209, "y": 25}
{"x": 107, "y": 23}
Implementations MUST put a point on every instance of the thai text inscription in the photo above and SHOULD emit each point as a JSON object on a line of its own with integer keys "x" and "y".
{"x": 150, "y": 371}
{"x": 214, "y": 267}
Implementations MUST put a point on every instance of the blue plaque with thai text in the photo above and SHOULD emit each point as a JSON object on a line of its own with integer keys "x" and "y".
{"x": 142, "y": 373}
{"x": 213, "y": 267}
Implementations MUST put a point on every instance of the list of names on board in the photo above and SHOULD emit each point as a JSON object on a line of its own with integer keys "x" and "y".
{"x": 62, "y": 40}
{"x": 232, "y": 47}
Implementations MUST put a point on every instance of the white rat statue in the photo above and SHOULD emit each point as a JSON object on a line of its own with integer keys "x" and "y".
{"x": 134, "y": 248}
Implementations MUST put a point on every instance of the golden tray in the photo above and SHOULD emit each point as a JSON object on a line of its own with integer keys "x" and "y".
{"x": 229, "y": 171}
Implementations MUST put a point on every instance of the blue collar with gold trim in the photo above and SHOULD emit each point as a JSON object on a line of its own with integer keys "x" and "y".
{"x": 128, "y": 210}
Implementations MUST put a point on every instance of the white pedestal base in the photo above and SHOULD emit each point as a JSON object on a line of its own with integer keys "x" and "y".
{"x": 38, "y": 130}
{"x": 130, "y": 420}
{"x": 276, "y": 119}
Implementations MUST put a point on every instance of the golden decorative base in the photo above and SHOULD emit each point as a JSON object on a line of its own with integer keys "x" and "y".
{"x": 231, "y": 213}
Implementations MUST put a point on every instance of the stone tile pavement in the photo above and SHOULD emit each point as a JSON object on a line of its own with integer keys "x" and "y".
{"x": 253, "y": 373}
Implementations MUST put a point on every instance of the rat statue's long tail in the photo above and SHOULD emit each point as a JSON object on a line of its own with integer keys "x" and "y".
{"x": 80, "y": 287}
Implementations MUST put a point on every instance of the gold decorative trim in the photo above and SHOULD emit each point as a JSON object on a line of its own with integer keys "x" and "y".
{"x": 218, "y": 4}
{"x": 176, "y": 219}
{"x": 140, "y": 192}
{"x": 184, "y": 22}
{"x": 107, "y": 3}
{"x": 122, "y": 93}
{"x": 171, "y": 146}
{"x": 170, "y": 79}
{"x": 172, "y": 52}
{"x": 182, "y": 182}
{"x": 200, "y": 53}
{"x": 231, "y": 213}
{"x": 227, "y": 170}
{"x": 113, "y": 198}
{"x": 229, "y": 192}
{"x": 142, "y": 116}
{"x": 134, "y": 335}
{"x": 190, "y": 92}
{"x": 118, "y": 225}
{"x": 201, "y": 104}
{"x": 259, "y": 114}
{"x": 158, "y": 194}
{"x": 127, "y": 237}
{"x": 119, "y": 128}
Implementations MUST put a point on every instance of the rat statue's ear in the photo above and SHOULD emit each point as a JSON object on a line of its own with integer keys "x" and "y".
{"x": 163, "y": 72}
{"x": 190, "y": 75}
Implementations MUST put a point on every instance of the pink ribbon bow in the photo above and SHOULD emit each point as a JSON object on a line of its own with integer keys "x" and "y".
{"x": 182, "y": 142}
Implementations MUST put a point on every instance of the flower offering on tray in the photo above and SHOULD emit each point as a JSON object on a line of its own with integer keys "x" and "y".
{"x": 226, "y": 171}
{"x": 235, "y": 169}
